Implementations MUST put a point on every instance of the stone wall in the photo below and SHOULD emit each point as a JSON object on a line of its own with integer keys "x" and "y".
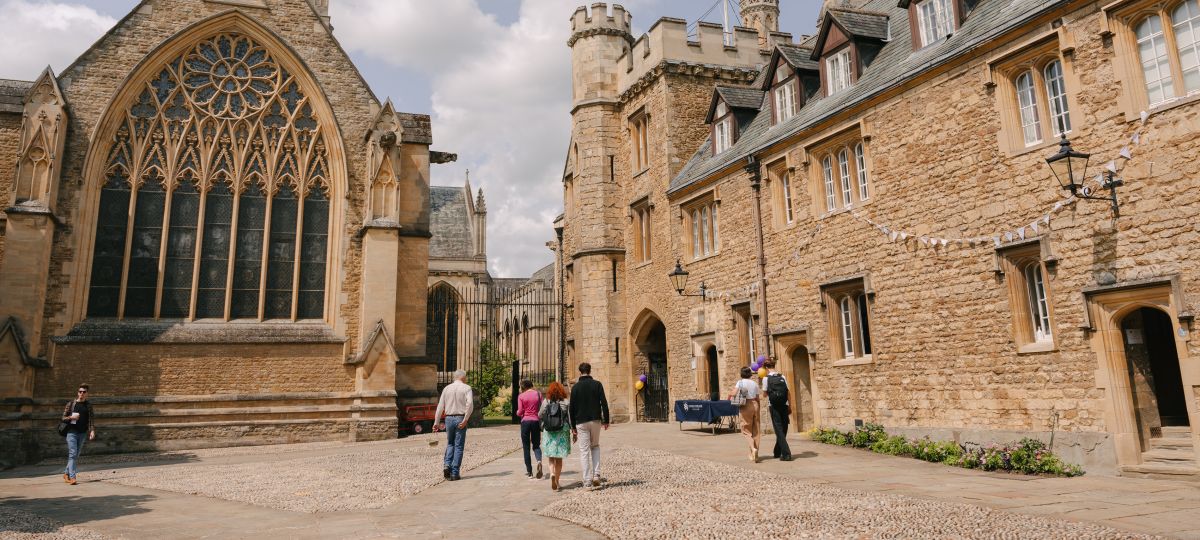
{"x": 10, "y": 143}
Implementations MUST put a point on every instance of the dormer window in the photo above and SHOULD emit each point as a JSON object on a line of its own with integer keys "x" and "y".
{"x": 837, "y": 71}
{"x": 935, "y": 19}
{"x": 722, "y": 129}
{"x": 784, "y": 95}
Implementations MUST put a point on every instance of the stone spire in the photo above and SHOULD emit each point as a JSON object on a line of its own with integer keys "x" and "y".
{"x": 763, "y": 16}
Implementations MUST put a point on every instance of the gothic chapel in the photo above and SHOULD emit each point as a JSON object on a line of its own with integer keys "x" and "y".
{"x": 193, "y": 212}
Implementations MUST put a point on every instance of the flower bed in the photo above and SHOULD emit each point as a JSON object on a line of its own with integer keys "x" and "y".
{"x": 1029, "y": 456}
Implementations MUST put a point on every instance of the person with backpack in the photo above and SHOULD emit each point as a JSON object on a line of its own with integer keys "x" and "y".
{"x": 776, "y": 388}
{"x": 556, "y": 441}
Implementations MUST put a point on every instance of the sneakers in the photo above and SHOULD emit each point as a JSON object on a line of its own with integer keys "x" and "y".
{"x": 539, "y": 471}
{"x": 446, "y": 473}
{"x": 66, "y": 478}
{"x": 454, "y": 477}
{"x": 596, "y": 482}
{"x": 71, "y": 481}
{"x": 528, "y": 476}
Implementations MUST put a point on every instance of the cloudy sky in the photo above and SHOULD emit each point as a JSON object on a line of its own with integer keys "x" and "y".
{"x": 494, "y": 74}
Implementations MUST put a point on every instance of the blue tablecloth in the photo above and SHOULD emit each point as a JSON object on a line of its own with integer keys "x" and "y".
{"x": 695, "y": 410}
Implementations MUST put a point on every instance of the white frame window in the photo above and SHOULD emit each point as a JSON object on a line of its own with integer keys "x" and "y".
{"x": 1039, "y": 309}
{"x": 1152, "y": 51}
{"x": 786, "y": 181}
{"x": 722, "y": 140}
{"x": 837, "y": 70}
{"x": 860, "y": 161}
{"x": 847, "y": 318}
{"x": 1185, "y": 21}
{"x": 1056, "y": 95}
{"x": 785, "y": 95}
{"x": 830, "y": 195}
{"x": 935, "y": 19}
{"x": 1031, "y": 128}
{"x": 722, "y": 129}
{"x": 844, "y": 171}
{"x": 704, "y": 239}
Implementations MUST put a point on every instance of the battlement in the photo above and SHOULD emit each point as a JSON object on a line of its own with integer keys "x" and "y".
{"x": 668, "y": 40}
{"x": 599, "y": 21}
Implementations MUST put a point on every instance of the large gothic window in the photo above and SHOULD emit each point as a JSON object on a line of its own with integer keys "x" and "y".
{"x": 215, "y": 196}
{"x": 441, "y": 327}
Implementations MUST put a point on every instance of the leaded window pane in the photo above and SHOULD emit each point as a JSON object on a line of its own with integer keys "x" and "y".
{"x": 1056, "y": 92}
{"x": 214, "y": 255}
{"x": 312, "y": 256}
{"x": 247, "y": 264}
{"x": 143, "y": 257}
{"x": 827, "y": 173}
{"x": 281, "y": 254}
{"x": 108, "y": 257}
{"x": 181, "y": 250}
{"x": 1186, "y": 22}
{"x": 1031, "y": 127}
{"x": 1152, "y": 50}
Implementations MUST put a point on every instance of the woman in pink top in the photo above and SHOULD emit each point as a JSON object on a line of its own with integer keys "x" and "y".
{"x": 531, "y": 432}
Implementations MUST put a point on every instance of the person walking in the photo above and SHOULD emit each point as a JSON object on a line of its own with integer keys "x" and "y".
{"x": 556, "y": 419}
{"x": 81, "y": 427}
{"x": 776, "y": 389}
{"x": 746, "y": 390}
{"x": 589, "y": 412}
{"x": 453, "y": 412}
{"x": 528, "y": 408}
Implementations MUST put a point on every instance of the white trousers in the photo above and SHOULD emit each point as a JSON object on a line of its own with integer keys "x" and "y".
{"x": 589, "y": 450}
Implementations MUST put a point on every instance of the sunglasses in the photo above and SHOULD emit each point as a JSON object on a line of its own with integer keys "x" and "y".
{"x": 83, "y": 391}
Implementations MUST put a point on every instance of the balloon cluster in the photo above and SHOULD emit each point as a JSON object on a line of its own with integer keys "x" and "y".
{"x": 641, "y": 382}
{"x": 758, "y": 368}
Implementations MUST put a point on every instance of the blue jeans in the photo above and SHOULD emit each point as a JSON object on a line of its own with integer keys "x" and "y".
{"x": 74, "y": 446}
{"x": 531, "y": 437}
{"x": 456, "y": 438}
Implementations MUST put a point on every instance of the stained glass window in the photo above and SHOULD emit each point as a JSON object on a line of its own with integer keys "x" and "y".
{"x": 231, "y": 125}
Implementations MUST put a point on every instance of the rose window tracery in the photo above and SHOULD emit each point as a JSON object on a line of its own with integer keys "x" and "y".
{"x": 214, "y": 200}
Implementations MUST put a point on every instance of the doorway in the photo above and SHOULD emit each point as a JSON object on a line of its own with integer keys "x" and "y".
{"x": 714, "y": 379}
{"x": 802, "y": 402}
{"x": 1159, "y": 398}
{"x": 652, "y": 346}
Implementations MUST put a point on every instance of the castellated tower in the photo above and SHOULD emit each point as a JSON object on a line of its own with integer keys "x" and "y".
{"x": 763, "y": 16}
{"x": 595, "y": 237}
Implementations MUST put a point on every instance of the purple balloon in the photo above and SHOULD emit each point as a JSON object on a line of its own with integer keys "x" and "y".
{"x": 762, "y": 360}
{"x": 642, "y": 377}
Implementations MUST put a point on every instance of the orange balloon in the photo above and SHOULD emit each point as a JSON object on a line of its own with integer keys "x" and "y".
{"x": 639, "y": 385}
{"x": 762, "y": 372}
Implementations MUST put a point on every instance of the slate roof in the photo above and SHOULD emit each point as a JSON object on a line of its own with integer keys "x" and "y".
{"x": 895, "y": 64}
{"x": 12, "y": 95}
{"x": 799, "y": 57}
{"x": 544, "y": 274}
{"x": 450, "y": 223}
{"x": 741, "y": 98}
{"x": 861, "y": 23}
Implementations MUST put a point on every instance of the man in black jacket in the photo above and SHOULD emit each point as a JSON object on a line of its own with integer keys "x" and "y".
{"x": 589, "y": 412}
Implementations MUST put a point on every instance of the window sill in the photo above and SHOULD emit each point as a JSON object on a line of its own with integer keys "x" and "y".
{"x": 845, "y": 209}
{"x": 1051, "y": 142}
{"x": 706, "y": 257}
{"x": 1165, "y": 106}
{"x": 643, "y": 264}
{"x": 854, "y": 361}
{"x": 641, "y": 172}
{"x": 1037, "y": 347}
{"x": 205, "y": 331}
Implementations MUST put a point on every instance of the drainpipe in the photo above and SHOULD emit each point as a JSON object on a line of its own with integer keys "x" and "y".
{"x": 752, "y": 168}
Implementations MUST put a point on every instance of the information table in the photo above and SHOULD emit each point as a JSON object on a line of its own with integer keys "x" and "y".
{"x": 706, "y": 412}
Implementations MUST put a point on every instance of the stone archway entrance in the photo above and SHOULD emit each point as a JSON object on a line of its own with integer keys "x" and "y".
{"x": 651, "y": 359}
{"x": 802, "y": 401}
{"x": 1158, "y": 394}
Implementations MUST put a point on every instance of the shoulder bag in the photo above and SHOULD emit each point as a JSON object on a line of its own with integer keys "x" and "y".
{"x": 738, "y": 398}
{"x": 63, "y": 425}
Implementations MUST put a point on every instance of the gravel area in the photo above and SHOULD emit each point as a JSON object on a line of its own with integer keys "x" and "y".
{"x": 200, "y": 453}
{"x": 694, "y": 498}
{"x": 373, "y": 476}
{"x": 21, "y": 525}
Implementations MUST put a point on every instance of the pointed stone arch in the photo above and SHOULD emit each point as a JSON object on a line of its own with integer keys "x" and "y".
{"x": 253, "y": 125}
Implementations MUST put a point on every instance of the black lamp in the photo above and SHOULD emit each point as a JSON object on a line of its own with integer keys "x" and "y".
{"x": 679, "y": 278}
{"x": 1070, "y": 169}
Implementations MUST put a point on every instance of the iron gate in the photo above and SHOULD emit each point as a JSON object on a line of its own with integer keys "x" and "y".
{"x": 499, "y": 335}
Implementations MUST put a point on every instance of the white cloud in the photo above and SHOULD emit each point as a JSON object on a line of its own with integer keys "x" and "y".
{"x": 500, "y": 101}
{"x": 40, "y": 33}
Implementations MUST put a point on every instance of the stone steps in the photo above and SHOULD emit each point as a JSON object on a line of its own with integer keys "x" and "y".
{"x": 1176, "y": 432}
{"x": 1168, "y": 456}
{"x": 1173, "y": 443}
{"x": 1162, "y": 472}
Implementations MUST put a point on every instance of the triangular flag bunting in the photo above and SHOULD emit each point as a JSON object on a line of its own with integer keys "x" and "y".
{"x": 1112, "y": 166}
{"x": 1145, "y": 115}
{"x": 1125, "y": 152}
{"x": 1136, "y": 138}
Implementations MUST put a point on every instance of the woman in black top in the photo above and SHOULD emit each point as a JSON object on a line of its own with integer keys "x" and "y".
{"x": 80, "y": 428}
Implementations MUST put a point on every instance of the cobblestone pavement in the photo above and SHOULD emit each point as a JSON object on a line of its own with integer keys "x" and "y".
{"x": 694, "y": 498}
{"x": 372, "y": 477}
{"x": 662, "y": 482}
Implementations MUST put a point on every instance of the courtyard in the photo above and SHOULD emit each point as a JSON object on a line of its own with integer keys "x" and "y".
{"x": 660, "y": 482}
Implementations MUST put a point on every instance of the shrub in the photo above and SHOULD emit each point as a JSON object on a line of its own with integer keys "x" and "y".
{"x": 830, "y": 436}
{"x": 867, "y": 435}
{"x": 895, "y": 445}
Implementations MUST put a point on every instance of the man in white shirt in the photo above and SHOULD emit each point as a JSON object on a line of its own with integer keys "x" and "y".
{"x": 780, "y": 410}
{"x": 453, "y": 412}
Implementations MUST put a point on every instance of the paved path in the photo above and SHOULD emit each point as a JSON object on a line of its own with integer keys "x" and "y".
{"x": 497, "y": 501}
{"x": 1163, "y": 507}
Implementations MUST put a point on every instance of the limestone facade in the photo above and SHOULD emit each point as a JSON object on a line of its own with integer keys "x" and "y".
{"x": 950, "y": 348}
{"x": 196, "y": 105}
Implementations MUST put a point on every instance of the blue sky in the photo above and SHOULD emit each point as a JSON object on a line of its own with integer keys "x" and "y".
{"x": 494, "y": 74}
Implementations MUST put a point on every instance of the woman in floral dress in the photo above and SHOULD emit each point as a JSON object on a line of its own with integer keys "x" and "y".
{"x": 556, "y": 430}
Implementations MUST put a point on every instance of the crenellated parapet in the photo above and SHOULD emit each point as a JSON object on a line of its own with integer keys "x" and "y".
{"x": 668, "y": 42}
{"x": 597, "y": 21}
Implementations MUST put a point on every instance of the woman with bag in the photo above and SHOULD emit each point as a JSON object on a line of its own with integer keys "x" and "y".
{"x": 528, "y": 405}
{"x": 745, "y": 396}
{"x": 556, "y": 430}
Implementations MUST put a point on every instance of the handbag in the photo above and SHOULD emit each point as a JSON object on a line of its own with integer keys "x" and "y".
{"x": 63, "y": 426}
{"x": 739, "y": 398}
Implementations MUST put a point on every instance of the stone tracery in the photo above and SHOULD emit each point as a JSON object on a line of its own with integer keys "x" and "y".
{"x": 221, "y": 154}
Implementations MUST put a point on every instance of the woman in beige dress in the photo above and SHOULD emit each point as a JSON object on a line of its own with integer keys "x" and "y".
{"x": 748, "y": 389}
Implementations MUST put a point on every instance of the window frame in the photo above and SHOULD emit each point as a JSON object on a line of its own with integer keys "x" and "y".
{"x": 1032, "y": 59}
{"x": 723, "y": 135}
{"x": 848, "y": 306}
{"x": 778, "y": 88}
{"x": 1026, "y": 304}
{"x": 701, "y": 226}
{"x": 641, "y": 213}
{"x": 828, "y": 171}
{"x": 949, "y": 14}
{"x": 639, "y": 138}
{"x": 1121, "y": 20}
{"x": 842, "y": 77}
